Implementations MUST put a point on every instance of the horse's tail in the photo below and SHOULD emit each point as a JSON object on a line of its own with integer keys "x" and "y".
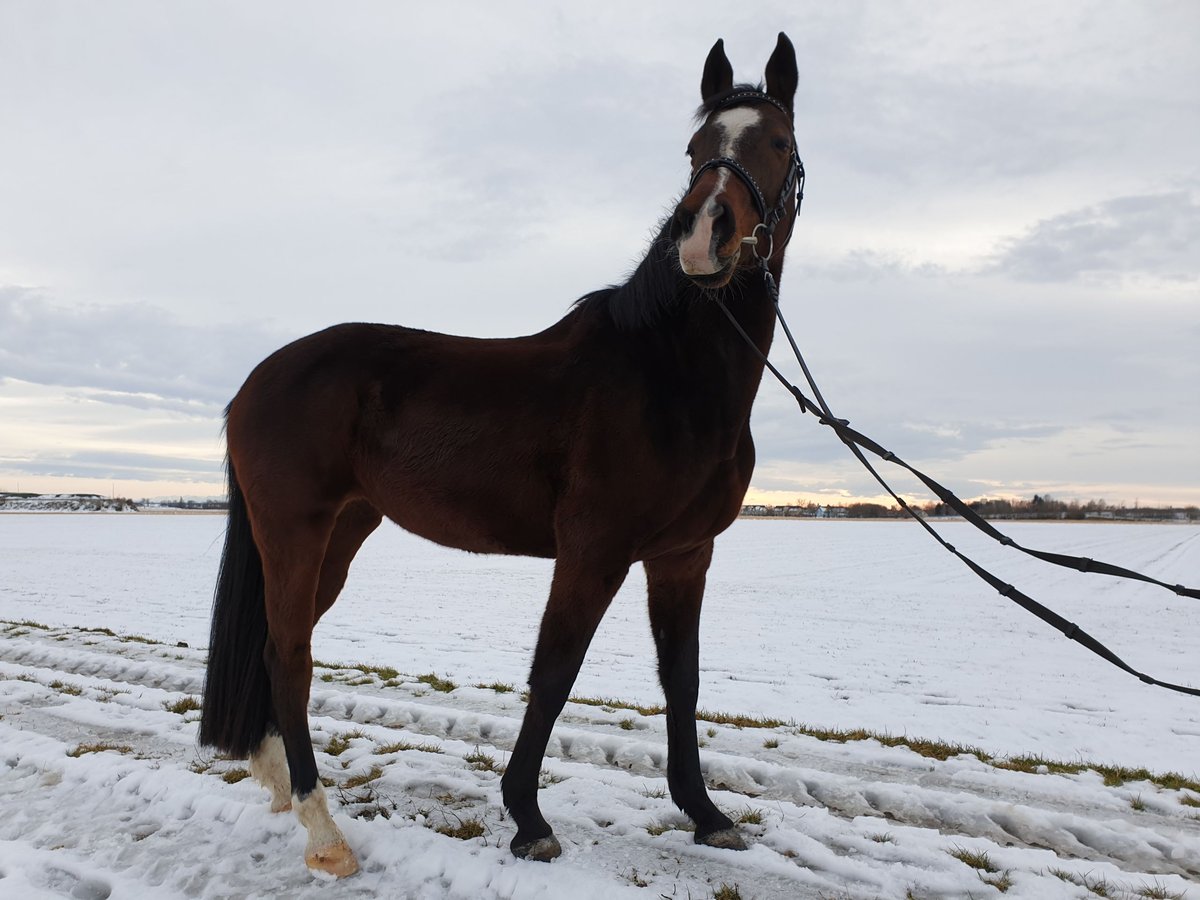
{"x": 237, "y": 690}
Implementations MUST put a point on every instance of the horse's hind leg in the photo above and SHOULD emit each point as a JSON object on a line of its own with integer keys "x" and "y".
{"x": 268, "y": 764}
{"x": 291, "y": 572}
{"x": 676, "y": 589}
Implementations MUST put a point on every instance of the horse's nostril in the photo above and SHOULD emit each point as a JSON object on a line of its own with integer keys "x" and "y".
{"x": 681, "y": 223}
{"x": 722, "y": 223}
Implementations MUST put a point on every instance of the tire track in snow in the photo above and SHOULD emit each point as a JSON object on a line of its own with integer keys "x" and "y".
{"x": 823, "y": 807}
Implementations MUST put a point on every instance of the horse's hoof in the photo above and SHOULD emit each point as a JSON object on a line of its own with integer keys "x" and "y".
{"x": 725, "y": 839}
{"x": 542, "y": 850}
{"x": 336, "y": 860}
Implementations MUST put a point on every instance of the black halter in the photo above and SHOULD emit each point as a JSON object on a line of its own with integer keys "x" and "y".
{"x": 793, "y": 184}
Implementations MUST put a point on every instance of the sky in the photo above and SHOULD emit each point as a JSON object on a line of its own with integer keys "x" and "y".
{"x": 996, "y": 272}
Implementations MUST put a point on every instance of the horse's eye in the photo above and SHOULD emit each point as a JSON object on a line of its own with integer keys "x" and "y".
{"x": 780, "y": 144}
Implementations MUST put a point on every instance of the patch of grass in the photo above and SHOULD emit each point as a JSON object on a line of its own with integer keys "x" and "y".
{"x": 105, "y": 631}
{"x": 771, "y": 743}
{"x": 365, "y": 778}
{"x": 627, "y": 724}
{"x": 182, "y": 705}
{"x": 727, "y": 892}
{"x": 612, "y": 704}
{"x": 465, "y": 830}
{"x": 547, "y": 778}
{"x": 98, "y": 747}
{"x": 750, "y": 816}
{"x": 1137, "y": 803}
{"x": 1157, "y": 892}
{"x": 483, "y": 762}
{"x": 638, "y": 881}
{"x": 1115, "y": 776}
{"x": 657, "y": 793}
{"x": 233, "y": 776}
{"x": 1189, "y": 800}
{"x": 404, "y": 746}
{"x": 885, "y": 838}
{"x": 711, "y": 732}
{"x": 384, "y": 673}
{"x": 445, "y": 685}
{"x": 1037, "y": 765}
{"x": 25, "y": 623}
{"x": 340, "y": 743}
{"x": 975, "y": 860}
{"x": 66, "y": 688}
{"x": 738, "y": 720}
{"x": 1001, "y": 882}
{"x": 656, "y": 830}
{"x": 137, "y": 639}
{"x": 500, "y": 687}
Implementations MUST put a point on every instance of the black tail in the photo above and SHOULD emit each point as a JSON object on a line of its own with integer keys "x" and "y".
{"x": 237, "y": 691}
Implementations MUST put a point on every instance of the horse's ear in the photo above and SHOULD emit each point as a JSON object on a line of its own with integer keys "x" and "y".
{"x": 718, "y": 73}
{"x": 782, "y": 77}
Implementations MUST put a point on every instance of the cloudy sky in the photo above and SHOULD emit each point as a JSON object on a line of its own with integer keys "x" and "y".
{"x": 996, "y": 272}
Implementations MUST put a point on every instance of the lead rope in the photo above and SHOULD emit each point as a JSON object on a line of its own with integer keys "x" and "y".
{"x": 857, "y": 442}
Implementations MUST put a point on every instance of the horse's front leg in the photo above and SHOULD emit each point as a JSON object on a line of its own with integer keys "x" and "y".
{"x": 579, "y": 595}
{"x": 676, "y": 589}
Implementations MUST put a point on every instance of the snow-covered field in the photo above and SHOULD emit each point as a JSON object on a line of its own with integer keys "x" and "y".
{"x": 832, "y": 624}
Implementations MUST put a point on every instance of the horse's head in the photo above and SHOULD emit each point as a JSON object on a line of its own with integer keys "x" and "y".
{"x": 744, "y": 169}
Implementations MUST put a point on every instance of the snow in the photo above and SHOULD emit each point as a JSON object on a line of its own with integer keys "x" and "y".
{"x": 836, "y": 624}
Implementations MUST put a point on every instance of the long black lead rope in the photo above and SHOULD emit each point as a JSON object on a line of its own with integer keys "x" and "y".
{"x": 793, "y": 189}
{"x": 857, "y": 442}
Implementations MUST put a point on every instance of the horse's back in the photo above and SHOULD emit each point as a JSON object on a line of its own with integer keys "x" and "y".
{"x": 456, "y": 439}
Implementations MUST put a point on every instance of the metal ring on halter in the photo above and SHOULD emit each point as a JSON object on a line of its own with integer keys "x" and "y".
{"x": 753, "y": 241}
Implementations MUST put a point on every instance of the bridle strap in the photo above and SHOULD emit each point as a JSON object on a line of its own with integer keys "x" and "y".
{"x": 728, "y": 162}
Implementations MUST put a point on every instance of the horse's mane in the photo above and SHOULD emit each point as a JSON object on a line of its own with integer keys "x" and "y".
{"x": 655, "y": 286}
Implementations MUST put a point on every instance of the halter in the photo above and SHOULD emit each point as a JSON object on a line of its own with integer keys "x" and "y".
{"x": 792, "y": 184}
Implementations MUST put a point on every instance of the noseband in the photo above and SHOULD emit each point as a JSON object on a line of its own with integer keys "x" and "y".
{"x": 792, "y": 184}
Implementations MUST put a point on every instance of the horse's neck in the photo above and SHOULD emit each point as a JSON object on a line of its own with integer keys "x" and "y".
{"x": 749, "y": 302}
{"x": 701, "y": 364}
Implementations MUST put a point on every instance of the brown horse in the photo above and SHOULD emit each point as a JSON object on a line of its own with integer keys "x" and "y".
{"x": 620, "y": 434}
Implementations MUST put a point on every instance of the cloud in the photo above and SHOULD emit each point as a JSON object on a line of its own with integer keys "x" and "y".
{"x": 118, "y": 465}
{"x": 136, "y": 354}
{"x": 1155, "y": 235}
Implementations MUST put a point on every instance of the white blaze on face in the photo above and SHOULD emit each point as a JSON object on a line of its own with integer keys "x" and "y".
{"x": 696, "y": 252}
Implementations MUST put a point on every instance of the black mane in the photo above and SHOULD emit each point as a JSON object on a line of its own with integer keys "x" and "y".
{"x": 655, "y": 285}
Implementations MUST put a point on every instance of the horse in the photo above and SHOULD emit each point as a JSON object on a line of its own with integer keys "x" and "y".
{"x": 620, "y": 434}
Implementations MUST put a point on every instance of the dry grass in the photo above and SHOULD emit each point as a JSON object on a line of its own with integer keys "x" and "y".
{"x": 404, "y": 746}
{"x": 750, "y": 816}
{"x": 355, "y": 781}
{"x": 445, "y": 685}
{"x": 98, "y": 747}
{"x": 340, "y": 743}
{"x": 500, "y": 687}
{"x": 466, "y": 829}
{"x": 183, "y": 705}
{"x": 233, "y": 776}
{"x": 483, "y": 762}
